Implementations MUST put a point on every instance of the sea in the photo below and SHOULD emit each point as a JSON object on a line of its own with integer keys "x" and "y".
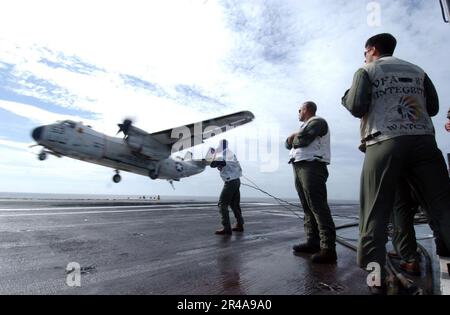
{"x": 165, "y": 198}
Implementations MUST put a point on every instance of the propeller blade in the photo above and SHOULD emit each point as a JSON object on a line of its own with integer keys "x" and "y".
{"x": 125, "y": 126}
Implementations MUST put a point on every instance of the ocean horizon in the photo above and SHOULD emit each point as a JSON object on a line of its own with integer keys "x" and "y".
{"x": 165, "y": 198}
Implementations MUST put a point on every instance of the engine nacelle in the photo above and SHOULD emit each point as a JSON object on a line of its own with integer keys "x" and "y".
{"x": 147, "y": 146}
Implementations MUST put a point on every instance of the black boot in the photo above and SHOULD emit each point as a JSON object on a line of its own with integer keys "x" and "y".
{"x": 238, "y": 228}
{"x": 307, "y": 247}
{"x": 325, "y": 256}
{"x": 223, "y": 231}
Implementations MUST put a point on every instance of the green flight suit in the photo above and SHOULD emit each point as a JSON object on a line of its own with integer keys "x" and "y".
{"x": 310, "y": 183}
{"x": 385, "y": 163}
{"x": 404, "y": 236}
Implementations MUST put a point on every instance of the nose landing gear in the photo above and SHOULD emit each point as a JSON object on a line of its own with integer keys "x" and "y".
{"x": 42, "y": 156}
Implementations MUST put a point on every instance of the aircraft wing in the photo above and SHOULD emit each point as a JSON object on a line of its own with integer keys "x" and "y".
{"x": 201, "y": 130}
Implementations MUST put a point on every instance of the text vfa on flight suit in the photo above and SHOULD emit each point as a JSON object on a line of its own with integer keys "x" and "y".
{"x": 310, "y": 172}
{"x": 398, "y": 101}
{"x": 230, "y": 195}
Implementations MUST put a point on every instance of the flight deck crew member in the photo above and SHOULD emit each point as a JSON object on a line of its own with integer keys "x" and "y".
{"x": 230, "y": 172}
{"x": 309, "y": 155}
{"x": 395, "y": 100}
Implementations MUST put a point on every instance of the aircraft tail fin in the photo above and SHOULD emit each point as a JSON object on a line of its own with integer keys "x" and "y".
{"x": 188, "y": 156}
{"x": 210, "y": 155}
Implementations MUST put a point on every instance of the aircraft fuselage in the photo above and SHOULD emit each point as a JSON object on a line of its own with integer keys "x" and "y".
{"x": 81, "y": 142}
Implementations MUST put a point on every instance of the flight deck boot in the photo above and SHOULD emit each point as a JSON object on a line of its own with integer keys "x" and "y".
{"x": 238, "y": 228}
{"x": 224, "y": 231}
{"x": 308, "y": 248}
{"x": 325, "y": 256}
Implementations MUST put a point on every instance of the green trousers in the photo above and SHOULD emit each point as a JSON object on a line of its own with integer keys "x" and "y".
{"x": 404, "y": 236}
{"x": 310, "y": 182}
{"x": 385, "y": 163}
{"x": 231, "y": 197}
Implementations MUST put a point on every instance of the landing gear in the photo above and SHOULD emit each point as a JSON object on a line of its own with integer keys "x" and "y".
{"x": 117, "y": 178}
{"x": 153, "y": 174}
{"x": 42, "y": 156}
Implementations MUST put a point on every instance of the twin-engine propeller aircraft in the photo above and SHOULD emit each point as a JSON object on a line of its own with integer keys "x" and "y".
{"x": 139, "y": 152}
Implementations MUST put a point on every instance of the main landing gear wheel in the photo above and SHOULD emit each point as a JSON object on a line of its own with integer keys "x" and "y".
{"x": 117, "y": 178}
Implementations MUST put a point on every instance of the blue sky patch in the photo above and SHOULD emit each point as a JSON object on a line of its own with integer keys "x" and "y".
{"x": 9, "y": 95}
{"x": 15, "y": 128}
{"x": 70, "y": 63}
{"x": 146, "y": 85}
{"x": 195, "y": 94}
{"x": 11, "y": 89}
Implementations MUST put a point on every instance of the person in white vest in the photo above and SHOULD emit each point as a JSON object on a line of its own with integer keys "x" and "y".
{"x": 310, "y": 155}
{"x": 230, "y": 172}
{"x": 395, "y": 100}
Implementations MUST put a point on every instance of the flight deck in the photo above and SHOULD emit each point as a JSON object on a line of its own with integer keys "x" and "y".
{"x": 169, "y": 247}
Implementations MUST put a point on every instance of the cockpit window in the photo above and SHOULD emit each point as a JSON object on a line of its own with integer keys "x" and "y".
{"x": 69, "y": 123}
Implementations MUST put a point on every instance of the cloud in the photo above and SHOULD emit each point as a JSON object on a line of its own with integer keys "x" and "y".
{"x": 35, "y": 114}
{"x": 170, "y": 63}
{"x": 14, "y": 144}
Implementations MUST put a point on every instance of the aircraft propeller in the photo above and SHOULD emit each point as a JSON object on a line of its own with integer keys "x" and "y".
{"x": 125, "y": 126}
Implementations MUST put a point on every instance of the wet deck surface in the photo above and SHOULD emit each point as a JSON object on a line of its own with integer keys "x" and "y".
{"x": 137, "y": 247}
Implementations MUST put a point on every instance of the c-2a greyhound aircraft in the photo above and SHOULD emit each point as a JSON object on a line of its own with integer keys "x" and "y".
{"x": 139, "y": 152}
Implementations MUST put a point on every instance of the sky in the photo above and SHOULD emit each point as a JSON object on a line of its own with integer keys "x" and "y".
{"x": 174, "y": 62}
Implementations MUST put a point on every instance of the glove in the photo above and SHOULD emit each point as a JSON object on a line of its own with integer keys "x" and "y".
{"x": 219, "y": 164}
{"x": 362, "y": 147}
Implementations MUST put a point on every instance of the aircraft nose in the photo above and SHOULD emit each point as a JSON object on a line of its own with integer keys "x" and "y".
{"x": 37, "y": 132}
